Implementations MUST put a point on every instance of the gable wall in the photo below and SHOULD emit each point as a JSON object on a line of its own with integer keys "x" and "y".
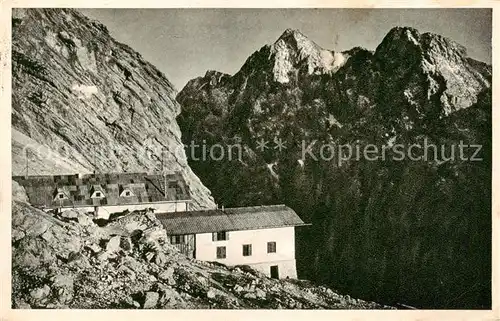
{"x": 206, "y": 249}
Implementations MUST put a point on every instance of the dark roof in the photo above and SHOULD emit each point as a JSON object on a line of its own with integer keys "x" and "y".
{"x": 230, "y": 219}
{"x": 78, "y": 188}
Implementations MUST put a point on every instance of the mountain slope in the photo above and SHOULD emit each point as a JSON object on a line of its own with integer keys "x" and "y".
{"x": 91, "y": 100}
{"x": 389, "y": 230}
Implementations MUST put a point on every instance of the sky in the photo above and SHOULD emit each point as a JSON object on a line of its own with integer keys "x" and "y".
{"x": 185, "y": 43}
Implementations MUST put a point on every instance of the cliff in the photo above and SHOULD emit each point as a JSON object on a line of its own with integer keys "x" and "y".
{"x": 82, "y": 101}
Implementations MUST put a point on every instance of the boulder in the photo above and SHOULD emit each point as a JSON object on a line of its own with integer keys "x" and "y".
{"x": 113, "y": 244}
{"x": 21, "y": 304}
{"x": 127, "y": 271}
{"x": 17, "y": 235}
{"x": 238, "y": 288}
{"x": 95, "y": 248}
{"x": 69, "y": 214}
{"x": 32, "y": 225}
{"x": 84, "y": 219}
{"x": 78, "y": 259}
{"x": 149, "y": 256}
{"x": 129, "y": 303}
{"x": 160, "y": 259}
{"x": 18, "y": 192}
{"x": 169, "y": 295}
{"x": 132, "y": 263}
{"x": 260, "y": 293}
{"x": 211, "y": 293}
{"x": 167, "y": 275}
{"x": 47, "y": 236}
{"x": 40, "y": 294}
{"x": 150, "y": 300}
{"x": 154, "y": 236}
{"x": 102, "y": 256}
{"x": 64, "y": 295}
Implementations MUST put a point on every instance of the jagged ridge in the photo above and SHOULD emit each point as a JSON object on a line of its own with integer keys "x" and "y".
{"x": 382, "y": 226}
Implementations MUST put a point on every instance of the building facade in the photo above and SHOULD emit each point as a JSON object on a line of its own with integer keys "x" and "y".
{"x": 262, "y": 237}
{"x": 105, "y": 194}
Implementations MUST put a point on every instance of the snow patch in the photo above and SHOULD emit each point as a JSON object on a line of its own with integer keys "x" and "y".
{"x": 327, "y": 59}
{"x": 295, "y": 49}
{"x": 54, "y": 43}
{"x": 339, "y": 59}
{"x": 411, "y": 38}
{"x": 333, "y": 121}
{"x": 85, "y": 92}
{"x": 391, "y": 141}
{"x": 86, "y": 58}
{"x": 271, "y": 169}
{"x": 282, "y": 62}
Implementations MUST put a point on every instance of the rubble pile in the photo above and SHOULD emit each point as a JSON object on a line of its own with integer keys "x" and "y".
{"x": 68, "y": 261}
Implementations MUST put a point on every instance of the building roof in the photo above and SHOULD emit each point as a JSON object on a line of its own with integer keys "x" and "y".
{"x": 230, "y": 219}
{"x": 147, "y": 188}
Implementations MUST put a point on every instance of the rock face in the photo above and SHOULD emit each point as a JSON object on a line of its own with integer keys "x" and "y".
{"x": 82, "y": 101}
{"x": 58, "y": 263}
{"x": 391, "y": 229}
{"x": 293, "y": 49}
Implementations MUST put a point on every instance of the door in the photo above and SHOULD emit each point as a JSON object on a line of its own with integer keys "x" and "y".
{"x": 274, "y": 272}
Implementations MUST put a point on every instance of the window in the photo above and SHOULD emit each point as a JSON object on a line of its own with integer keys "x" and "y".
{"x": 177, "y": 239}
{"x": 97, "y": 194}
{"x": 60, "y": 196}
{"x": 126, "y": 193}
{"x": 271, "y": 247}
{"x": 221, "y": 252}
{"x": 220, "y": 236}
{"x": 247, "y": 249}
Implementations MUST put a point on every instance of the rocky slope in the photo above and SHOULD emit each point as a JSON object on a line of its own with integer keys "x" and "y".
{"x": 70, "y": 262}
{"x": 82, "y": 101}
{"x": 414, "y": 232}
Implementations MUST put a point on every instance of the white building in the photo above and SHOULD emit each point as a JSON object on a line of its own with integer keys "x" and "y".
{"x": 105, "y": 194}
{"x": 262, "y": 237}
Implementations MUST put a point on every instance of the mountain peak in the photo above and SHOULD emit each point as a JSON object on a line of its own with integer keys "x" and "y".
{"x": 402, "y": 39}
{"x": 293, "y": 50}
{"x": 289, "y": 32}
{"x": 404, "y": 32}
{"x": 295, "y": 39}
